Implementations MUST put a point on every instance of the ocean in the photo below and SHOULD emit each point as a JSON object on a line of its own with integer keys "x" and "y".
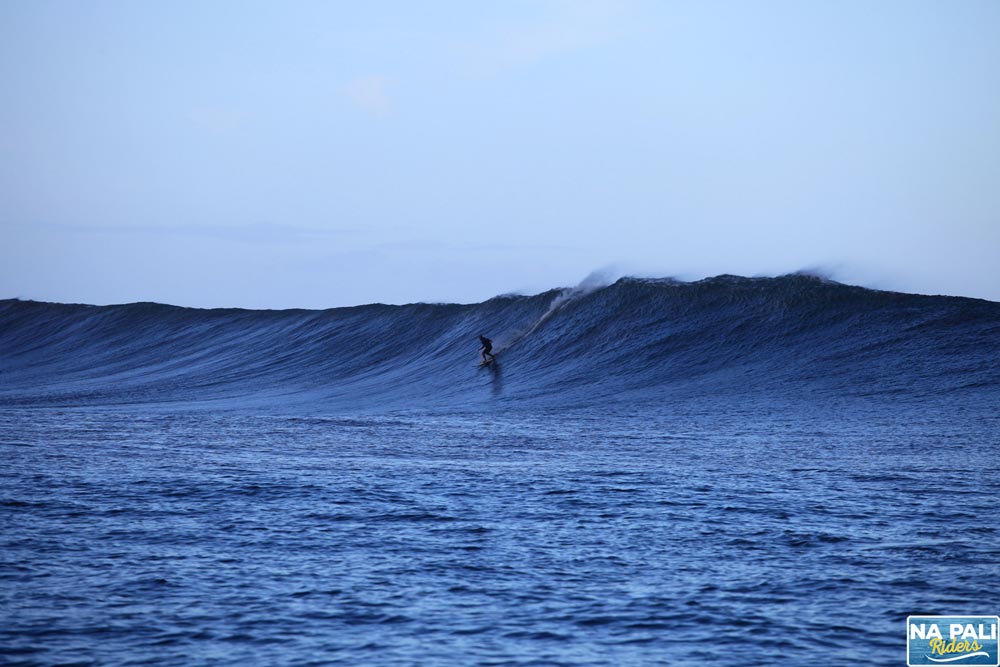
{"x": 732, "y": 471}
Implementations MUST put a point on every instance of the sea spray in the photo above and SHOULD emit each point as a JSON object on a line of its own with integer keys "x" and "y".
{"x": 593, "y": 282}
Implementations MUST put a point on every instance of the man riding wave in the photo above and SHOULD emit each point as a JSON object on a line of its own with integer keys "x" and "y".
{"x": 487, "y": 349}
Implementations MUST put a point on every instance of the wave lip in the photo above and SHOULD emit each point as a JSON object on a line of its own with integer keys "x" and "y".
{"x": 636, "y": 340}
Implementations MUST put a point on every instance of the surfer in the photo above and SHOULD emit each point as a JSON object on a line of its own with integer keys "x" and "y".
{"x": 487, "y": 349}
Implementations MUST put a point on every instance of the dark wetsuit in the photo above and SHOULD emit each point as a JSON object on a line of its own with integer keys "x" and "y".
{"x": 487, "y": 347}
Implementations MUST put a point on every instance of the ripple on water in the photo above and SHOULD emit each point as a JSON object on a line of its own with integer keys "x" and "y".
{"x": 338, "y": 541}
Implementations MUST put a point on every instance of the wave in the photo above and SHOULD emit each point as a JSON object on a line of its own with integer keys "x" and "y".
{"x": 633, "y": 341}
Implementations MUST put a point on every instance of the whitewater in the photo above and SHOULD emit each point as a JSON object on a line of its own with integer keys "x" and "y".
{"x": 739, "y": 471}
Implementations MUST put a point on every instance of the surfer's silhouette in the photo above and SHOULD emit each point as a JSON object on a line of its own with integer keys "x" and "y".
{"x": 487, "y": 349}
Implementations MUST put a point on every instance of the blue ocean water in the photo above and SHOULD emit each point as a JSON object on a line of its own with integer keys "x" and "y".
{"x": 735, "y": 471}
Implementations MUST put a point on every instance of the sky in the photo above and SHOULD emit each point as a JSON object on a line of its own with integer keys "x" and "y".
{"x": 320, "y": 154}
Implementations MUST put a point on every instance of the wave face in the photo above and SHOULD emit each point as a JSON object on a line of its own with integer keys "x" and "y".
{"x": 635, "y": 341}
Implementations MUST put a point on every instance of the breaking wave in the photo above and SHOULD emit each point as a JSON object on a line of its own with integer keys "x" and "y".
{"x": 634, "y": 340}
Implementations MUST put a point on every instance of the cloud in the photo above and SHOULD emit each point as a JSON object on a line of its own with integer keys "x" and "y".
{"x": 263, "y": 232}
{"x": 217, "y": 119}
{"x": 564, "y": 27}
{"x": 369, "y": 95}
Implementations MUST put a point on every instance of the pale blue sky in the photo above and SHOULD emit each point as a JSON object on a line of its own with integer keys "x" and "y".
{"x": 312, "y": 154}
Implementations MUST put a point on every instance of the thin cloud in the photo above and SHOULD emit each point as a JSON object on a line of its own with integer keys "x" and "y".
{"x": 251, "y": 232}
{"x": 217, "y": 119}
{"x": 369, "y": 94}
{"x": 565, "y": 28}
